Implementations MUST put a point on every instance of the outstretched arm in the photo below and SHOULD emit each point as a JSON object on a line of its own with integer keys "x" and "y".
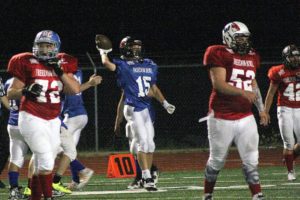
{"x": 92, "y": 82}
{"x": 5, "y": 102}
{"x": 157, "y": 94}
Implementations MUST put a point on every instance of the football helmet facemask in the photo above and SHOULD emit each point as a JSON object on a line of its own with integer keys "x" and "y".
{"x": 291, "y": 56}
{"x": 131, "y": 48}
{"x": 236, "y": 37}
{"x": 49, "y": 37}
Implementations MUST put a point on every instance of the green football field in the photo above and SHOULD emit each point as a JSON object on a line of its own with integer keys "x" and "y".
{"x": 188, "y": 185}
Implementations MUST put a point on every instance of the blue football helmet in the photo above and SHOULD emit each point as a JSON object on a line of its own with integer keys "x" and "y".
{"x": 46, "y": 36}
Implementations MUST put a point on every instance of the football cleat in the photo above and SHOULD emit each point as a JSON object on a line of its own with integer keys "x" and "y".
{"x": 27, "y": 192}
{"x": 291, "y": 176}
{"x": 85, "y": 176}
{"x": 15, "y": 193}
{"x": 136, "y": 184}
{"x": 56, "y": 193}
{"x": 59, "y": 187}
{"x": 149, "y": 185}
{"x": 2, "y": 185}
{"x": 207, "y": 196}
{"x": 73, "y": 186}
{"x": 258, "y": 196}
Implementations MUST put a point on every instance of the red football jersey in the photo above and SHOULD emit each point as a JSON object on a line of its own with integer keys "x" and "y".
{"x": 27, "y": 68}
{"x": 289, "y": 85}
{"x": 240, "y": 72}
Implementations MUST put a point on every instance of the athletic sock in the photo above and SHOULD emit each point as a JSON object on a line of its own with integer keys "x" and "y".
{"x": 76, "y": 166}
{"x": 146, "y": 174}
{"x": 56, "y": 178}
{"x": 254, "y": 188}
{"x": 36, "y": 190}
{"x": 13, "y": 179}
{"x": 29, "y": 182}
{"x": 138, "y": 170}
{"x": 209, "y": 187}
{"x": 46, "y": 184}
{"x": 289, "y": 161}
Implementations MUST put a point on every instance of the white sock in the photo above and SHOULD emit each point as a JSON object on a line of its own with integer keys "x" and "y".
{"x": 146, "y": 174}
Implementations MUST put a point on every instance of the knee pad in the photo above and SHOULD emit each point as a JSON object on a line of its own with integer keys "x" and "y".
{"x": 67, "y": 144}
{"x": 133, "y": 146}
{"x": 211, "y": 174}
{"x": 128, "y": 130}
{"x": 216, "y": 163}
{"x": 143, "y": 146}
{"x": 251, "y": 174}
{"x": 19, "y": 162}
{"x": 151, "y": 146}
{"x": 45, "y": 161}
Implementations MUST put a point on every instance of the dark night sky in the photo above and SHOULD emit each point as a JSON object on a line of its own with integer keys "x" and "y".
{"x": 164, "y": 25}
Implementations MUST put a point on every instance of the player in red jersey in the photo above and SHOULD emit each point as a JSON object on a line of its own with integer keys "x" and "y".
{"x": 232, "y": 68}
{"x": 38, "y": 80}
{"x": 285, "y": 80}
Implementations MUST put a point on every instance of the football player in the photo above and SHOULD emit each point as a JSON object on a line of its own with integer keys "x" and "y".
{"x": 137, "y": 182}
{"x": 232, "y": 68}
{"x": 38, "y": 80}
{"x": 285, "y": 80}
{"x": 4, "y": 148}
{"x": 75, "y": 118}
{"x": 137, "y": 76}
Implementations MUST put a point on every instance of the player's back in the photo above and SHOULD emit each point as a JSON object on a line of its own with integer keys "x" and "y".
{"x": 73, "y": 104}
{"x": 14, "y": 106}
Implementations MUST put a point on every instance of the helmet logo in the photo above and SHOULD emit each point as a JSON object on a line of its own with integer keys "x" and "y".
{"x": 235, "y": 27}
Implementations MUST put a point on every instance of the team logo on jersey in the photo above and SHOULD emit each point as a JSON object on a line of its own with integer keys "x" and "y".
{"x": 130, "y": 62}
{"x": 281, "y": 72}
{"x": 243, "y": 63}
{"x": 33, "y": 61}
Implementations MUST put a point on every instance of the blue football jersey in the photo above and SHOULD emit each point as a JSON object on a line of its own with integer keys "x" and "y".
{"x": 73, "y": 104}
{"x": 136, "y": 78}
{"x": 14, "y": 106}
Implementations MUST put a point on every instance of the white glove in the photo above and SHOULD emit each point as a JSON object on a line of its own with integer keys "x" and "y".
{"x": 104, "y": 51}
{"x": 169, "y": 107}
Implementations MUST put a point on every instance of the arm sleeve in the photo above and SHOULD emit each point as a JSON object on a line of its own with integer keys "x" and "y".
{"x": 212, "y": 58}
{"x": 273, "y": 76}
{"x": 16, "y": 68}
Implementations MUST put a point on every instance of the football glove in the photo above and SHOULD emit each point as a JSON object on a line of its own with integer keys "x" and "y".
{"x": 32, "y": 90}
{"x": 54, "y": 63}
{"x": 103, "y": 44}
{"x": 169, "y": 107}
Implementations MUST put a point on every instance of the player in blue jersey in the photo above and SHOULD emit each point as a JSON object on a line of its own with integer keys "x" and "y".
{"x": 137, "y": 182}
{"x": 137, "y": 76}
{"x": 18, "y": 148}
{"x": 4, "y": 148}
{"x": 75, "y": 118}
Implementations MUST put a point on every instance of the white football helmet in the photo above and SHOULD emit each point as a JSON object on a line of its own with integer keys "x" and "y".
{"x": 231, "y": 31}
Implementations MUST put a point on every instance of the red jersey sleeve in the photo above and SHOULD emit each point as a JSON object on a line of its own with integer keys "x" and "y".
{"x": 69, "y": 63}
{"x": 273, "y": 75}
{"x": 16, "y": 68}
{"x": 212, "y": 57}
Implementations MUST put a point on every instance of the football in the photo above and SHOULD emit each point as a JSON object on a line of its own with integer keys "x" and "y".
{"x": 103, "y": 42}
